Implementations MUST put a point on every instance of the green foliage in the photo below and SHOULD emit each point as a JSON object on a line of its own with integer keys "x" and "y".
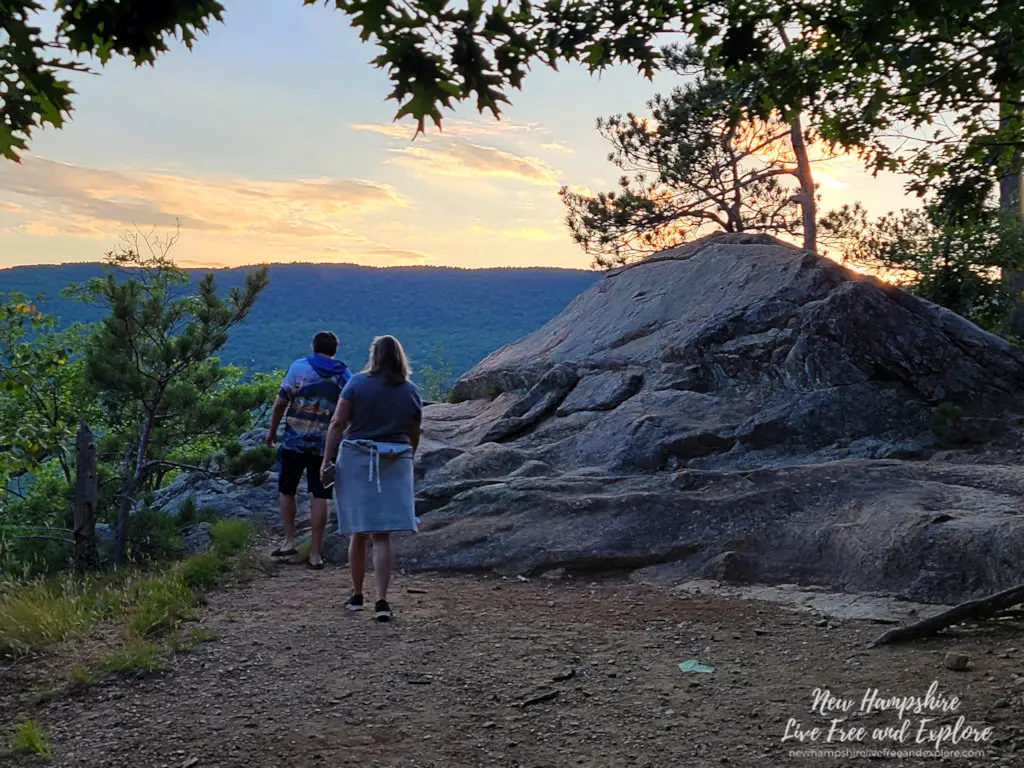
{"x": 39, "y": 613}
{"x": 201, "y": 571}
{"x": 947, "y": 421}
{"x": 43, "y": 388}
{"x": 455, "y": 397}
{"x": 151, "y": 361}
{"x": 230, "y": 536}
{"x": 35, "y": 522}
{"x": 436, "y": 376}
{"x": 698, "y": 167}
{"x": 37, "y": 91}
{"x": 955, "y": 261}
{"x": 153, "y": 536}
{"x": 30, "y": 738}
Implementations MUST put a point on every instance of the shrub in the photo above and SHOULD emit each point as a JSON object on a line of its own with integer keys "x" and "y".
{"x": 152, "y": 536}
{"x": 230, "y": 536}
{"x": 30, "y": 738}
{"x": 201, "y": 571}
{"x": 188, "y": 513}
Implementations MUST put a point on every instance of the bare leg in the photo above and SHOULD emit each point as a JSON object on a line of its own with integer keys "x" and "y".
{"x": 288, "y": 508}
{"x": 318, "y": 522}
{"x": 357, "y": 560}
{"x": 383, "y": 563}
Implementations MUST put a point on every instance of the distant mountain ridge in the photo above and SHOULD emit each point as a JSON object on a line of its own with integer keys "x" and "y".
{"x": 470, "y": 313}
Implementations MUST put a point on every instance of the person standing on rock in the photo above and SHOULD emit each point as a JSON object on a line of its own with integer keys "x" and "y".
{"x": 308, "y": 396}
{"x": 381, "y": 411}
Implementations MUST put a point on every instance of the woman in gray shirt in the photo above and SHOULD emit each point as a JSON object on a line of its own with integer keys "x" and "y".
{"x": 379, "y": 416}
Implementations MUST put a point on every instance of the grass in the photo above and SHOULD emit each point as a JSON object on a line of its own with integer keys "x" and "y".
{"x": 136, "y": 657}
{"x": 229, "y": 536}
{"x": 40, "y": 613}
{"x": 29, "y": 738}
{"x": 202, "y": 571}
{"x": 82, "y": 677}
{"x": 160, "y": 604}
{"x": 150, "y": 607}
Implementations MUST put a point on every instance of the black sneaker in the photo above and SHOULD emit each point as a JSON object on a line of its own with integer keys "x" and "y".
{"x": 354, "y": 603}
{"x": 382, "y": 611}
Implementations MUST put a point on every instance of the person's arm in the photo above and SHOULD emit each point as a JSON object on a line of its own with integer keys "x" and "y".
{"x": 414, "y": 436}
{"x": 339, "y": 422}
{"x": 280, "y": 406}
{"x": 285, "y": 395}
{"x": 414, "y": 430}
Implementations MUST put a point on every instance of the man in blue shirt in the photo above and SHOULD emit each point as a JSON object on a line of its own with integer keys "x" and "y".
{"x": 308, "y": 396}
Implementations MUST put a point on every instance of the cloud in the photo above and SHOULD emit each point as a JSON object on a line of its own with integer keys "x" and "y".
{"x": 465, "y": 159}
{"x": 557, "y": 146}
{"x": 62, "y": 198}
{"x": 454, "y": 129}
{"x": 9, "y": 206}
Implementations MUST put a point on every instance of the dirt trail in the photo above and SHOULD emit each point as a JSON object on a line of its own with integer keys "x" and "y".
{"x": 293, "y": 681}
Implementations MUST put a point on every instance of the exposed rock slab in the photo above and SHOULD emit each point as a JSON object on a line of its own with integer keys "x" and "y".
{"x": 744, "y": 411}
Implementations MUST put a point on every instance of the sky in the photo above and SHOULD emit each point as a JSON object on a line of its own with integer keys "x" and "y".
{"x": 272, "y": 141}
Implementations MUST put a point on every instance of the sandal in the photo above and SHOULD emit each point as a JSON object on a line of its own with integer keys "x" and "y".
{"x": 318, "y": 567}
{"x": 284, "y": 552}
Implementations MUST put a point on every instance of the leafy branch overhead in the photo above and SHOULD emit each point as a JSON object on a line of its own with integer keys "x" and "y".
{"x": 34, "y": 89}
{"x": 861, "y": 70}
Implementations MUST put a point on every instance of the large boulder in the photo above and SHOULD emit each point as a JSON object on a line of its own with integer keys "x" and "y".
{"x": 735, "y": 408}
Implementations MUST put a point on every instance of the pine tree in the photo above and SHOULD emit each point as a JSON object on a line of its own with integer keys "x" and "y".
{"x": 151, "y": 360}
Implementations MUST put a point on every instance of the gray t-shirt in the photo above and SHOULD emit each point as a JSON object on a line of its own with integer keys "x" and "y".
{"x": 381, "y": 411}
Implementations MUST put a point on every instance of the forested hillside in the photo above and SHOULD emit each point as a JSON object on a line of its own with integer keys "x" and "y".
{"x": 469, "y": 312}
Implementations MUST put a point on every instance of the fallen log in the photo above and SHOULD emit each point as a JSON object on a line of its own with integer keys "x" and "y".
{"x": 983, "y": 608}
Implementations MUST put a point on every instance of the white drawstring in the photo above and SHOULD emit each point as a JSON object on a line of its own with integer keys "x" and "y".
{"x": 374, "y": 465}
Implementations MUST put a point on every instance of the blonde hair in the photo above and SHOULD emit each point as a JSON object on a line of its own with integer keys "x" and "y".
{"x": 387, "y": 359}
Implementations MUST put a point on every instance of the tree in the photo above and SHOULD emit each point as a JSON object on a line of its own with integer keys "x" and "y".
{"x": 436, "y": 376}
{"x": 151, "y": 360}
{"x": 943, "y": 256}
{"x": 44, "y": 388}
{"x": 695, "y": 164}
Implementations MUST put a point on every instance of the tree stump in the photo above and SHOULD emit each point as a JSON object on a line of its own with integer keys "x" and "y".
{"x": 86, "y": 494}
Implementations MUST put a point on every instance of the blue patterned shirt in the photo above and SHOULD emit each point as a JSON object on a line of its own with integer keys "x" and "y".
{"x": 312, "y": 387}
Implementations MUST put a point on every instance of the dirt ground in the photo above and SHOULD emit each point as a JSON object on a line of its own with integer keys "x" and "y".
{"x": 485, "y": 671}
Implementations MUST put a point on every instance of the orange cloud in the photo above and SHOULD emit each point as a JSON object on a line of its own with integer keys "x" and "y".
{"x": 464, "y": 159}
{"x": 449, "y": 129}
{"x": 61, "y": 198}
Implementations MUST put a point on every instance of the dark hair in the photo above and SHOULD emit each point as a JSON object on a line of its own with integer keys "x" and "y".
{"x": 325, "y": 343}
{"x": 387, "y": 359}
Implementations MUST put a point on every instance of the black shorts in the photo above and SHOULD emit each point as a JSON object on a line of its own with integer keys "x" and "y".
{"x": 293, "y": 464}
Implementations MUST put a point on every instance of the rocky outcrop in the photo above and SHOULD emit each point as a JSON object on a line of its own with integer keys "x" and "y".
{"x": 734, "y": 409}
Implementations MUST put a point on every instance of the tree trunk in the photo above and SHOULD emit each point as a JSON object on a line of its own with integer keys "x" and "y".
{"x": 808, "y": 205}
{"x": 128, "y": 487}
{"x": 86, "y": 494}
{"x": 1011, "y": 199}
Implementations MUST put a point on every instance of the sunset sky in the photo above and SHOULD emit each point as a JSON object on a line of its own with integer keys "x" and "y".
{"x": 272, "y": 142}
